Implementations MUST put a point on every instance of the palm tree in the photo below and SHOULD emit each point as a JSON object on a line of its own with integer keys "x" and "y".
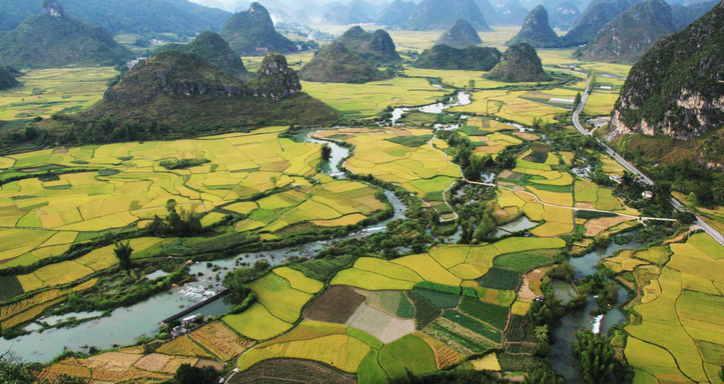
{"x": 123, "y": 253}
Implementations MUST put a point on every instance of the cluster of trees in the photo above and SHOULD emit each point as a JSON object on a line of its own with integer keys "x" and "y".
{"x": 15, "y": 371}
{"x": 184, "y": 224}
{"x": 594, "y": 356}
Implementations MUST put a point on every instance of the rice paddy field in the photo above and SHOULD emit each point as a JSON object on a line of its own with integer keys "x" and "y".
{"x": 422, "y": 170}
{"x": 123, "y": 185}
{"x": 47, "y": 91}
{"x": 369, "y": 99}
{"x": 678, "y": 283}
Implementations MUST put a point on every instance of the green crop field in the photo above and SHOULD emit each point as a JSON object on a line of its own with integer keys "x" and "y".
{"x": 363, "y": 100}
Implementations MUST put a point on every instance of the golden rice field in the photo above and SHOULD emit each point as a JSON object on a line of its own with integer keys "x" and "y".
{"x": 47, "y": 91}
{"x": 125, "y": 185}
{"x": 678, "y": 283}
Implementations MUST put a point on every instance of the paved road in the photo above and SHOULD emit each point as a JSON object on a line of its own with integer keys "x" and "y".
{"x": 677, "y": 205}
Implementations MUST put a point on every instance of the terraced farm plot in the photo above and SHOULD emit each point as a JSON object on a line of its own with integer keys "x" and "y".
{"x": 380, "y": 324}
{"x": 338, "y": 350}
{"x": 422, "y": 170}
{"x": 220, "y": 340}
{"x": 336, "y": 305}
{"x": 276, "y": 294}
{"x": 392, "y": 302}
{"x": 673, "y": 302}
{"x": 408, "y": 354}
{"x": 290, "y": 371}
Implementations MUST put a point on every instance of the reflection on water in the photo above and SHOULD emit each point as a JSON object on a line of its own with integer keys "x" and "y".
{"x": 519, "y": 224}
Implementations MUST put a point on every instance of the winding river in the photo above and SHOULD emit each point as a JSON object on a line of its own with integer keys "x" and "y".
{"x": 125, "y": 326}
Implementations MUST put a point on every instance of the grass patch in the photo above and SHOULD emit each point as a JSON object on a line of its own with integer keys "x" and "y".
{"x": 499, "y": 278}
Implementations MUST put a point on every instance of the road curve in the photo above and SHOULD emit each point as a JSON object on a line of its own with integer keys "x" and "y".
{"x": 677, "y": 204}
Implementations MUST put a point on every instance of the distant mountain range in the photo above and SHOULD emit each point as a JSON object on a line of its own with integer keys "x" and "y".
{"x": 536, "y": 31}
{"x": 252, "y": 33}
{"x": 563, "y": 14}
{"x": 128, "y": 16}
{"x": 441, "y": 14}
{"x": 629, "y": 35}
{"x": 356, "y": 12}
{"x": 510, "y": 12}
{"x": 397, "y": 13}
{"x": 593, "y": 18}
{"x": 55, "y": 39}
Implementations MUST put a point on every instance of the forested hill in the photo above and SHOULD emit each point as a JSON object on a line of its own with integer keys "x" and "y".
{"x": 676, "y": 88}
{"x": 145, "y": 17}
{"x": 214, "y": 49}
{"x": 177, "y": 95}
{"x": 56, "y": 39}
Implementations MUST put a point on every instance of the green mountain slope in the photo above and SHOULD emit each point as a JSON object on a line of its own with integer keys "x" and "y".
{"x": 252, "y": 33}
{"x": 336, "y": 64}
{"x": 376, "y": 47}
{"x": 536, "y": 31}
{"x": 175, "y": 94}
{"x": 676, "y": 88}
{"x": 629, "y": 35}
{"x": 142, "y": 17}
{"x": 460, "y": 35}
{"x": 598, "y": 13}
{"x": 441, "y": 14}
{"x": 214, "y": 49}
{"x": 520, "y": 63}
{"x": 470, "y": 58}
{"x": 54, "y": 39}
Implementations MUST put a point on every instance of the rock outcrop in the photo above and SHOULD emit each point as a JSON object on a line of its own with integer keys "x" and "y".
{"x": 536, "y": 31}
